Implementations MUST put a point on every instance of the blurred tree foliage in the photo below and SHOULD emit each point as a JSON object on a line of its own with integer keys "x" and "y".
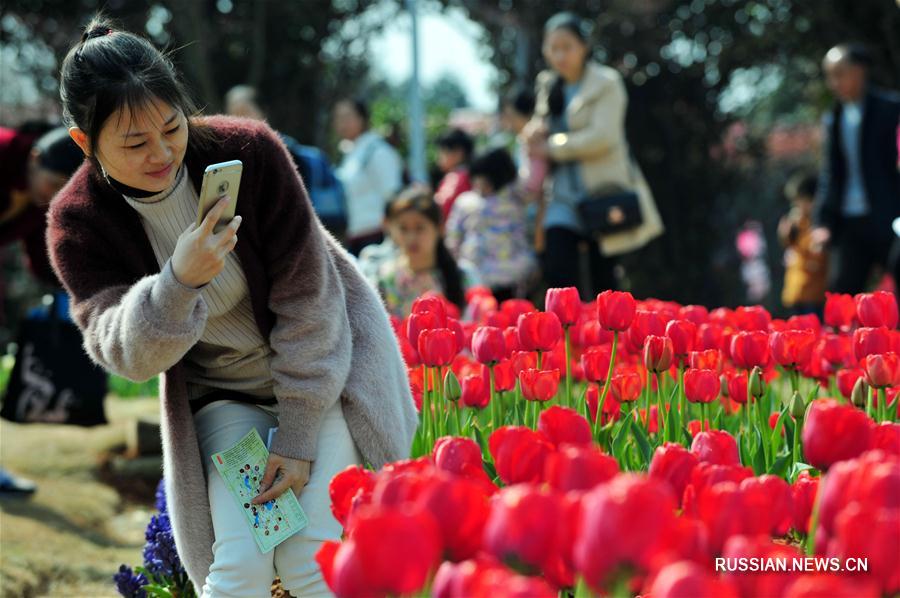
{"x": 301, "y": 55}
{"x": 692, "y": 68}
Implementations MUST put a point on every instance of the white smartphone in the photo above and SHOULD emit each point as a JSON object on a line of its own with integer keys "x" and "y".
{"x": 220, "y": 179}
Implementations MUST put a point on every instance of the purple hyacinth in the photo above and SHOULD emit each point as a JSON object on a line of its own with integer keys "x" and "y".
{"x": 128, "y": 584}
{"x": 160, "y": 554}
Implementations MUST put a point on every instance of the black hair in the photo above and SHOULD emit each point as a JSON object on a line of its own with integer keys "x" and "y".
{"x": 578, "y": 27}
{"x": 420, "y": 201}
{"x": 57, "y": 152}
{"x": 360, "y": 106}
{"x": 111, "y": 69}
{"x": 801, "y": 184}
{"x": 457, "y": 139}
{"x": 496, "y": 166}
{"x": 856, "y": 53}
{"x": 521, "y": 100}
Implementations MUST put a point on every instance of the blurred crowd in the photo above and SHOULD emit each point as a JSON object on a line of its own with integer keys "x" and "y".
{"x": 550, "y": 199}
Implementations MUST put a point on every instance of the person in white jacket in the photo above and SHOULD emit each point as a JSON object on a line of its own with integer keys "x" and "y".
{"x": 371, "y": 172}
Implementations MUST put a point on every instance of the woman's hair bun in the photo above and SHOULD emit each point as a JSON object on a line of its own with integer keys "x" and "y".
{"x": 96, "y": 28}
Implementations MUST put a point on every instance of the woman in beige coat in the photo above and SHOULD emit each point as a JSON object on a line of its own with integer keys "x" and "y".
{"x": 579, "y": 125}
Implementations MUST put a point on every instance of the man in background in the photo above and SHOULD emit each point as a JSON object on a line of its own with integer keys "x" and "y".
{"x": 859, "y": 185}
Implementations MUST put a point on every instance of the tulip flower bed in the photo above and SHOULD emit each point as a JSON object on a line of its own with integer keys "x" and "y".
{"x": 628, "y": 447}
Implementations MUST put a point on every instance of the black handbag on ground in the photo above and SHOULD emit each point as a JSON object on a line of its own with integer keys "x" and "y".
{"x": 53, "y": 380}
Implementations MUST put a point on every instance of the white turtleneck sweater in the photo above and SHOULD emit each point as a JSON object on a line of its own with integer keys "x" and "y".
{"x": 232, "y": 353}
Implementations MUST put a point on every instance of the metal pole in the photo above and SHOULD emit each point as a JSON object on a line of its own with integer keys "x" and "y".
{"x": 416, "y": 113}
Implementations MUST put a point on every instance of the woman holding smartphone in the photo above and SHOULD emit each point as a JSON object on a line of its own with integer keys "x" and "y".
{"x": 265, "y": 323}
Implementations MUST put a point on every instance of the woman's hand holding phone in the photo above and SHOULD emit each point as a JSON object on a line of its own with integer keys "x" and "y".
{"x": 200, "y": 252}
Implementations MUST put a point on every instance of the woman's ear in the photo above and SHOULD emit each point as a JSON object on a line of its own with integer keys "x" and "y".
{"x": 81, "y": 140}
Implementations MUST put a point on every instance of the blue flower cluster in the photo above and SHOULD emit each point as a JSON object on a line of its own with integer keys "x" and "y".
{"x": 129, "y": 584}
{"x": 161, "y": 561}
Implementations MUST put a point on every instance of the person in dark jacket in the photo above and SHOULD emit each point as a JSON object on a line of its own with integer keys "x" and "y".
{"x": 859, "y": 186}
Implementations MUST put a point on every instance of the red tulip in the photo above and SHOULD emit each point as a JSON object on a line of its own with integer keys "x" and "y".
{"x": 347, "y": 485}
{"x": 562, "y": 425}
{"x": 804, "y": 494}
{"x": 754, "y": 317}
{"x": 461, "y": 457}
{"x": 523, "y": 360}
{"x": 762, "y": 549}
{"x": 626, "y": 387}
{"x": 514, "y": 308}
{"x": 750, "y": 349}
{"x": 431, "y": 304}
{"x": 709, "y": 359}
{"x": 816, "y": 585}
{"x": 673, "y": 464}
{"x": 595, "y": 361}
{"x": 877, "y": 309}
{"x": 840, "y": 310}
{"x": 837, "y": 349}
{"x": 579, "y": 467}
{"x": 833, "y": 432}
{"x": 456, "y": 327}
{"x": 488, "y": 345}
{"x": 504, "y": 377}
{"x": 717, "y": 447}
{"x": 390, "y": 552}
{"x": 886, "y": 437}
{"x": 539, "y": 385}
{"x": 615, "y": 310}
{"x": 565, "y": 303}
{"x": 684, "y": 578}
{"x": 737, "y": 386}
{"x": 769, "y": 500}
{"x": 523, "y": 528}
{"x": 437, "y": 347}
{"x": 484, "y": 578}
{"x": 706, "y": 475}
{"x": 417, "y": 322}
{"x": 792, "y": 348}
{"x": 804, "y": 322}
{"x": 624, "y": 523}
{"x": 697, "y": 314}
{"x": 683, "y": 334}
{"x": 645, "y": 323}
{"x": 539, "y": 331}
{"x": 658, "y": 353}
{"x": 883, "y": 370}
{"x": 475, "y": 392}
{"x": 511, "y": 337}
{"x": 869, "y": 341}
{"x": 519, "y": 454}
{"x": 611, "y": 407}
{"x": 325, "y": 559}
{"x": 710, "y": 336}
{"x": 695, "y": 427}
{"x": 460, "y": 508}
{"x": 701, "y": 386}
{"x": 861, "y": 532}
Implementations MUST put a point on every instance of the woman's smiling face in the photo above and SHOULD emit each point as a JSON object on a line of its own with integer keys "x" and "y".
{"x": 141, "y": 147}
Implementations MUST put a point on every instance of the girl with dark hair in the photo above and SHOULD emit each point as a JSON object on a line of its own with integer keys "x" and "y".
{"x": 422, "y": 263}
{"x": 252, "y": 332}
{"x": 579, "y": 126}
{"x": 487, "y": 229}
{"x": 454, "y": 152}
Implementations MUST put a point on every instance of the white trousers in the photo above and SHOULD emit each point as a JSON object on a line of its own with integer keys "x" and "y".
{"x": 239, "y": 569}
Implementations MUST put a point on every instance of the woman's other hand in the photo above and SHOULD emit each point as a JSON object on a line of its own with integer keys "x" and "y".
{"x": 282, "y": 473}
